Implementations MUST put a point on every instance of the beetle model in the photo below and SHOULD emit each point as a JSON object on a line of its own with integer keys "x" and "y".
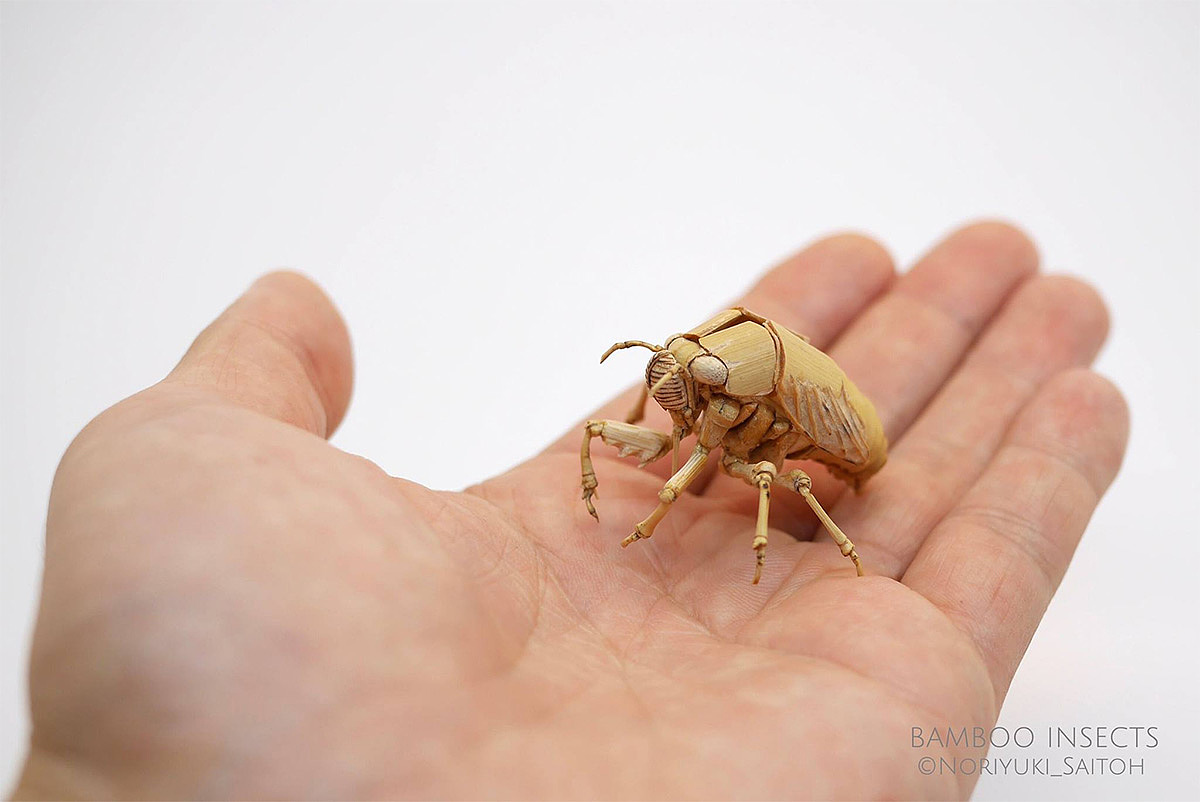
{"x": 761, "y": 393}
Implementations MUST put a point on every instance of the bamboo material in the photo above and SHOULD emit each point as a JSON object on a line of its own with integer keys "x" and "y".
{"x": 671, "y": 490}
{"x": 763, "y": 394}
{"x": 764, "y": 474}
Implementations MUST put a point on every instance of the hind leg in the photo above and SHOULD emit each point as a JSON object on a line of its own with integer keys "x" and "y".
{"x": 801, "y": 482}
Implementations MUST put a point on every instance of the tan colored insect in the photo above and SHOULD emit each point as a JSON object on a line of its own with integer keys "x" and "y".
{"x": 763, "y": 394}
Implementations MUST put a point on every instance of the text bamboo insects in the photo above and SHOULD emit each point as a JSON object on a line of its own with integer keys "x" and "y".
{"x": 764, "y": 395}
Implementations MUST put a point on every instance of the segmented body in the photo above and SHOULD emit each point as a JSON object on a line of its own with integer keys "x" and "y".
{"x": 796, "y": 402}
{"x": 762, "y": 394}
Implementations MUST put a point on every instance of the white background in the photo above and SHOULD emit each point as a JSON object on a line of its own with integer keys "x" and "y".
{"x": 551, "y": 178}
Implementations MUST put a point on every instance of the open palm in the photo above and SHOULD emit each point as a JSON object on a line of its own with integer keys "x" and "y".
{"x": 233, "y": 607}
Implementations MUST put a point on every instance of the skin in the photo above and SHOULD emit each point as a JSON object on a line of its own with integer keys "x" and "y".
{"x": 234, "y": 608}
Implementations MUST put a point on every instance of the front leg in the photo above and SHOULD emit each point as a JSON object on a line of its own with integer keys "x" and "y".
{"x": 720, "y": 415}
{"x": 639, "y": 407}
{"x": 647, "y": 444}
{"x": 671, "y": 490}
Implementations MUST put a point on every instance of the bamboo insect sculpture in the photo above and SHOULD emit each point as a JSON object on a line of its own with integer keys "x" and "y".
{"x": 761, "y": 393}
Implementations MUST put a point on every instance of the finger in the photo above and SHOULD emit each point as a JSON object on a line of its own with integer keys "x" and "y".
{"x": 281, "y": 349}
{"x": 1053, "y": 323}
{"x": 994, "y": 562}
{"x": 902, "y": 349}
{"x": 816, "y": 292}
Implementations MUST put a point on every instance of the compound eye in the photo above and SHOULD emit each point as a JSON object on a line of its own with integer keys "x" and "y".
{"x": 672, "y": 394}
{"x": 708, "y": 369}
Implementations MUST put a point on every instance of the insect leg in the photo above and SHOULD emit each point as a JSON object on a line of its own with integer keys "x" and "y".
{"x": 764, "y": 474}
{"x": 639, "y": 408}
{"x": 718, "y": 417}
{"x": 801, "y": 482}
{"x": 647, "y": 444}
{"x": 671, "y": 491}
{"x": 760, "y": 475}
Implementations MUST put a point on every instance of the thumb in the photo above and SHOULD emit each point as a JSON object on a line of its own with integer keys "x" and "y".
{"x": 281, "y": 349}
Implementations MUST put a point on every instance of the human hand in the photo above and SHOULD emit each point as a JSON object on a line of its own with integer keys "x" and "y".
{"x": 232, "y": 607}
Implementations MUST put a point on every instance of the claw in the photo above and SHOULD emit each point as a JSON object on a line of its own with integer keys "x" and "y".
{"x": 760, "y": 558}
{"x": 588, "y": 494}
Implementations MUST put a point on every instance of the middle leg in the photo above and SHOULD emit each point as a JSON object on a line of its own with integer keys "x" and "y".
{"x": 800, "y": 482}
{"x": 761, "y": 475}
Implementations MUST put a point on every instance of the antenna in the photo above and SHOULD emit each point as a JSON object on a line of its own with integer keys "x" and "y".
{"x": 629, "y": 344}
